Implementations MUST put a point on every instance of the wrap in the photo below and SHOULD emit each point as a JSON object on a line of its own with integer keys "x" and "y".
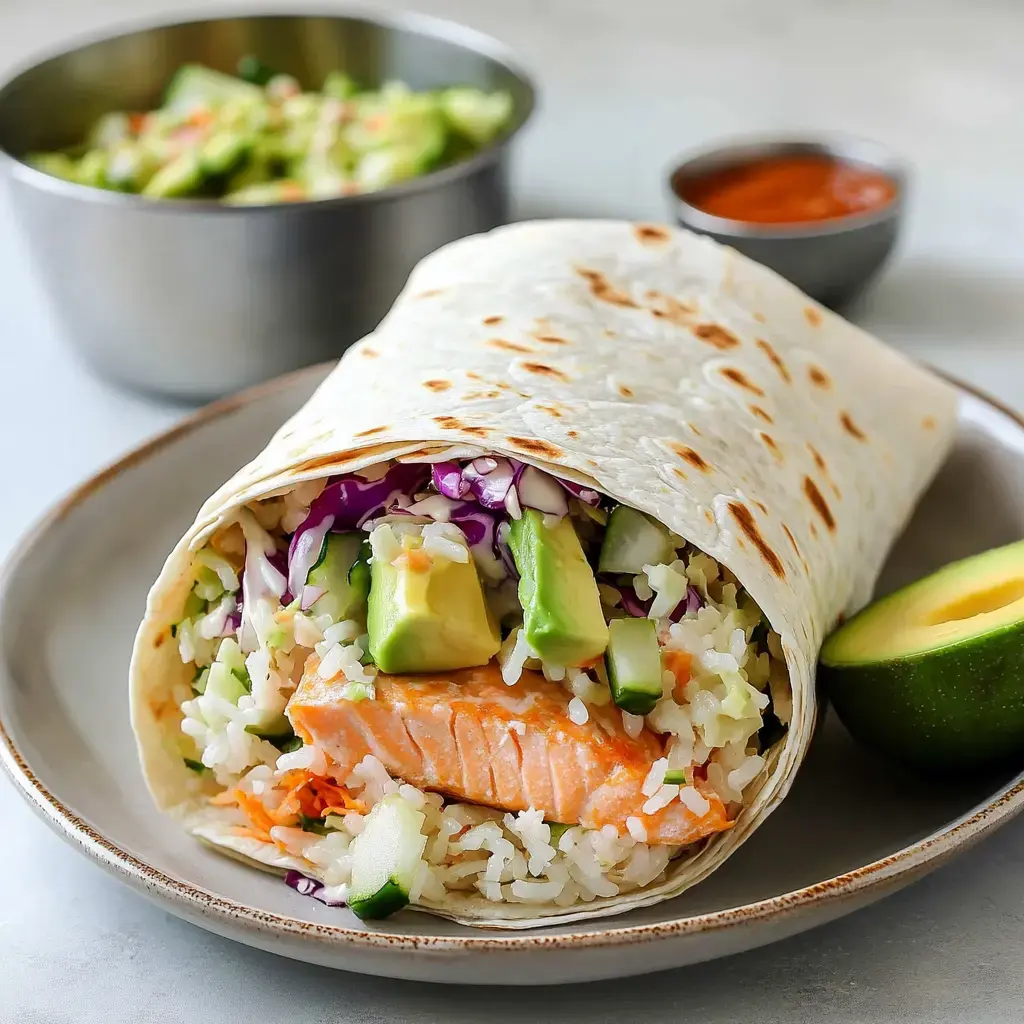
{"x": 655, "y": 367}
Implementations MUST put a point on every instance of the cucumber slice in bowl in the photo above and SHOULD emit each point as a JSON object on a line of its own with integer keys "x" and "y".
{"x": 386, "y": 857}
{"x": 634, "y": 665}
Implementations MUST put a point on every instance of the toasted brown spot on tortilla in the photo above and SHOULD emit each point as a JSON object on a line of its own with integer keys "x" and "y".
{"x": 761, "y": 414}
{"x": 160, "y": 638}
{"x": 792, "y": 539}
{"x": 819, "y": 378}
{"x": 694, "y": 428}
{"x": 850, "y": 427}
{"x": 709, "y": 516}
{"x": 331, "y": 461}
{"x": 551, "y": 410}
{"x": 761, "y": 505}
{"x": 748, "y": 524}
{"x": 813, "y": 316}
{"x": 369, "y": 353}
{"x": 509, "y": 346}
{"x": 601, "y": 288}
{"x": 679, "y": 473}
{"x": 819, "y": 504}
{"x": 448, "y": 422}
{"x": 472, "y": 375}
{"x": 536, "y": 447}
{"x": 840, "y": 619}
{"x": 492, "y": 320}
{"x": 652, "y": 234}
{"x": 476, "y": 396}
{"x": 819, "y": 459}
{"x": 437, "y": 385}
{"x": 626, "y": 392}
{"x": 814, "y": 531}
{"x": 760, "y": 318}
{"x": 776, "y": 359}
{"x": 928, "y": 423}
{"x": 693, "y": 458}
{"x": 668, "y": 308}
{"x": 571, "y": 433}
{"x": 740, "y": 379}
{"x": 609, "y": 333}
{"x": 371, "y": 431}
{"x": 546, "y": 371}
{"x": 715, "y": 334}
{"x": 429, "y": 292}
{"x": 769, "y": 443}
{"x": 475, "y": 431}
{"x": 551, "y": 339}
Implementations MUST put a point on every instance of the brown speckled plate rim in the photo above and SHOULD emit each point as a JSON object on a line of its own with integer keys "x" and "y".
{"x": 869, "y": 880}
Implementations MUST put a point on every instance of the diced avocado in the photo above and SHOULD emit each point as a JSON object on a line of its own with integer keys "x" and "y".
{"x": 183, "y": 176}
{"x": 631, "y": 541}
{"x": 194, "y": 85}
{"x": 931, "y": 674}
{"x": 562, "y": 614}
{"x": 339, "y": 86}
{"x": 386, "y": 858}
{"x": 224, "y": 153}
{"x": 475, "y": 115}
{"x": 338, "y": 571}
{"x": 634, "y": 665}
{"x": 430, "y": 618}
{"x": 228, "y": 677}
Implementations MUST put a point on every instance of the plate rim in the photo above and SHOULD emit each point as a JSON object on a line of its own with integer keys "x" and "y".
{"x": 913, "y": 860}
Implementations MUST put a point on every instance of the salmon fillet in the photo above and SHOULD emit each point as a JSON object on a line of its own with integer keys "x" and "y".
{"x": 468, "y": 735}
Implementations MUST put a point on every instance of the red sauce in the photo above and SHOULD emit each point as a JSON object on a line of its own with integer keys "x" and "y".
{"x": 789, "y": 190}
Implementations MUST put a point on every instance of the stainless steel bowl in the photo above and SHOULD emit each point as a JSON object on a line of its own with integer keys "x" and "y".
{"x": 833, "y": 260}
{"x": 193, "y": 299}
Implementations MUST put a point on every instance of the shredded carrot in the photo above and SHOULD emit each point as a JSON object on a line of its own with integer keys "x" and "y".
{"x": 200, "y": 117}
{"x": 137, "y": 122}
{"x": 679, "y": 664}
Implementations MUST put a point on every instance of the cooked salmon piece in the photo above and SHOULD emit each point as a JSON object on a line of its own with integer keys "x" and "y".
{"x": 468, "y": 735}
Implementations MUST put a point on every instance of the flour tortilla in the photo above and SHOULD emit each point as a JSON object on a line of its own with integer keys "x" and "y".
{"x": 654, "y": 365}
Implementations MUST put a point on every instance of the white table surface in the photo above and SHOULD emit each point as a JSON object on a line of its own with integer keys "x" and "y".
{"x": 626, "y": 85}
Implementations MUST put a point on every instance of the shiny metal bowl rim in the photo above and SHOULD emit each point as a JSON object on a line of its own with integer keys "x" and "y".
{"x": 850, "y": 148}
{"x": 411, "y": 21}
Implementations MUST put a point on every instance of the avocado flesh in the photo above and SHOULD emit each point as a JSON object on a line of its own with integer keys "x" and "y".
{"x": 932, "y": 674}
{"x": 562, "y": 614}
{"x": 429, "y": 621}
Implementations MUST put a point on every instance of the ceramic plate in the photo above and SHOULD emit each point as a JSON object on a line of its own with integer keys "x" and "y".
{"x": 852, "y": 830}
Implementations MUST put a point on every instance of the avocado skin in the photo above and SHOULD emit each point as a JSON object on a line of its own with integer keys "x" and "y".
{"x": 958, "y": 707}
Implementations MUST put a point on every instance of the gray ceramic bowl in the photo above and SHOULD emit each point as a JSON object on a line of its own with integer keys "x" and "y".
{"x": 193, "y": 299}
{"x": 832, "y": 261}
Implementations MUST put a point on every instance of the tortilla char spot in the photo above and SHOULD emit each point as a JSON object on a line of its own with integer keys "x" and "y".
{"x": 368, "y": 353}
{"x": 693, "y": 458}
{"x": 609, "y": 333}
{"x": 652, "y": 234}
{"x": 472, "y": 375}
{"x": 476, "y": 396}
{"x": 601, "y": 288}
{"x": 760, "y": 318}
{"x": 819, "y": 459}
{"x": 667, "y": 308}
{"x": 492, "y": 320}
{"x": 709, "y": 516}
{"x": 510, "y": 346}
{"x": 475, "y": 431}
{"x": 819, "y": 378}
{"x": 160, "y": 638}
{"x": 716, "y": 335}
{"x": 572, "y": 433}
{"x": 448, "y": 422}
{"x": 371, "y": 431}
{"x": 748, "y": 524}
{"x": 331, "y": 461}
{"x": 679, "y": 473}
{"x": 694, "y": 428}
{"x": 792, "y": 539}
{"x": 770, "y": 444}
{"x": 551, "y": 339}
{"x": 928, "y": 423}
{"x": 776, "y": 359}
{"x": 551, "y": 410}
{"x": 761, "y": 414}
{"x": 850, "y": 427}
{"x": 544, "y": 370}
{"x": 814, "y": 531}
{"x": 819, "y": 504}
{"x": 813, "y": 316}
{"x": 741, "y": 380}
{"x": 534, "y": 446}
{"x": 429, "y": 293}
{"x": 437, "y": 385}
{"x": 761, "y": 506}
{"x": 626, "y": 392}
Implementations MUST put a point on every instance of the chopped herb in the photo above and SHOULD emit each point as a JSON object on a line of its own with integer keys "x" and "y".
{"x": 288, "y": 745}
{"x": 197, "y": 766}
{"x": 313, "y": 825}
{"x": 675, "y": 777}
{"x": 558, "y": 829}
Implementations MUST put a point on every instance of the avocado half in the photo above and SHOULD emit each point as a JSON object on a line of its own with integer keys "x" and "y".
{"x": 933, "y": 674}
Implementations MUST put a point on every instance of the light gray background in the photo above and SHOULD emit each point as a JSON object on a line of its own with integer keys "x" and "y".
{"x": 626, "y": 85}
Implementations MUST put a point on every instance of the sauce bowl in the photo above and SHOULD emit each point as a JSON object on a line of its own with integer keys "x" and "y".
{"x": 192, "y": 299}
{"x": 831, "y": 260}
